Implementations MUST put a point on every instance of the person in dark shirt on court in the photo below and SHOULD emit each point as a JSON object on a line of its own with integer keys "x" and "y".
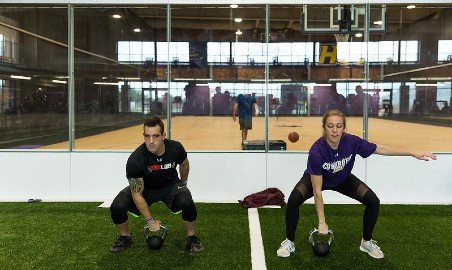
{"x": 244, "y": 108}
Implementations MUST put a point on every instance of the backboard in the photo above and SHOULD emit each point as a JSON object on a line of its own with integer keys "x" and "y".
{"x": 341, "y": 18}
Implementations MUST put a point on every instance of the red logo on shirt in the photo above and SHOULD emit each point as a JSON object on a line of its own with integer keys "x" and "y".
{"x": 155, "y": 167}
{"x": 158, "y": 167}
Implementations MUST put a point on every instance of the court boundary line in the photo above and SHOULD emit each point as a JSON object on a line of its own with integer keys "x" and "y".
{"x": 257, "y": 247}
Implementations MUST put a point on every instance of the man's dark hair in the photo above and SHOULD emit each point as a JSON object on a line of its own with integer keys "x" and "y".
{"x": 153, "y": 122}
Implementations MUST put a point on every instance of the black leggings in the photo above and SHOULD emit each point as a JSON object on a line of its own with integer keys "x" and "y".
{"x": 352, "y": 187}
{"x": 180, "y": 201}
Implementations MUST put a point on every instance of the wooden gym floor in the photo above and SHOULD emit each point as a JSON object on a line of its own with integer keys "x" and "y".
{"x": 220, "y": 133}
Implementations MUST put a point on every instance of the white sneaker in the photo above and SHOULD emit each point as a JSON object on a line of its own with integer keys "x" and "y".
{"x": 286, "y": 248}
{"x": 371, "y": 248}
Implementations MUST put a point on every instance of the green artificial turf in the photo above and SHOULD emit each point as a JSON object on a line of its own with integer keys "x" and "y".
{"x": 77, "y": 236}
{"x": 411, "y": 237}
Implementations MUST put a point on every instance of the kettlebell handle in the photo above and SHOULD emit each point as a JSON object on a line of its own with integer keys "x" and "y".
{"x": 316, "y": 231}
{"x": 162, "y": 228}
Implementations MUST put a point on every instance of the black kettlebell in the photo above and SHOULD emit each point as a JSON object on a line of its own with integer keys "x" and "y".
{"x": 321, "y": 248}
{"x": 321, "y": 243}
{"x": 154, "y": 242}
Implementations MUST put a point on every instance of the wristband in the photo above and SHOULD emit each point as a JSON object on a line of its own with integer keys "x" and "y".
{"x": 150, "y": 220}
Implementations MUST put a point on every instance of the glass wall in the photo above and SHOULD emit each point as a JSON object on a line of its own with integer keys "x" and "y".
{"x": 412, "y": 95}
{"x": 117, "y": 74}
{"x": 218, "y": 67}
{"x": 315, "y": 68}
{"x": 388, "y": 67}
{"x": 33, "y": 77}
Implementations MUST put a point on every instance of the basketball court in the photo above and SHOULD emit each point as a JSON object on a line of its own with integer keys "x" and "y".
{"x": 215, "y": 133}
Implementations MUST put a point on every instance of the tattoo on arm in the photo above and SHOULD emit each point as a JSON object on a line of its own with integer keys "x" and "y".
{"x": 136, "y": 184}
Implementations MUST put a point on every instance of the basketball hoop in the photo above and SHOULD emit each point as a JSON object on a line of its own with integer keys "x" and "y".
{"x": 342, "y": 37}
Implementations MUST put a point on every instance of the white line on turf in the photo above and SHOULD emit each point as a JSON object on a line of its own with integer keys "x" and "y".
{"x": 106, "y": 204}
{"x": 257, "y": 247}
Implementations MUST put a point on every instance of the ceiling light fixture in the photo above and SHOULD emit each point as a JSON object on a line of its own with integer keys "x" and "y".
{"x": 107, "y": 83}
{"x": 410, "y": 6}
{"x": 116, "y": 16}
{"x": 20, "y": 77}
{"x": 345, "y": 80}
{"x": 317, "y": 84}
{"x": 378, "y": 22}
{"x": 137, "y": 30}
{"x": 358, "y": 35}
{"x": 238, "y": 20}
{"x": 192, "y": 79}
{"x": 129, "y": 78}
{"x": 429, "y": 84}
{"x": 238, "y": 32}
{"x": 234, "y": 6}
{"x": 59, "y": 81}
{"x": 271, "y": 80}
{"x": 432, "y": 79}
{"x": 184, "y": 79}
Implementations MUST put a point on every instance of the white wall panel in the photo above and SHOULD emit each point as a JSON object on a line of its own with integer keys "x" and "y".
{"x": 226, "y": 177}
{"x": 27, "y": 175}
{"x": 215, "y": 177}
{"x": 408, "y": 180}
{"x": 97, "y": 176}
{"x": 285, "y": 170}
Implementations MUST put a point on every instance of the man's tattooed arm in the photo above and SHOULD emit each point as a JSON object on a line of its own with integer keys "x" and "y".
{"x": 136, "y": 185}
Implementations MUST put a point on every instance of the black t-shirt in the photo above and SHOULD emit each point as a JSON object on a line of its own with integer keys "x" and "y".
{"x": 156, "y": 171}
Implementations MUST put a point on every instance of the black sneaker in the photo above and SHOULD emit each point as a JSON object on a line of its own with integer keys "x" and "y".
{"x": 193, "y": 244}
{"x": 122, "y": 242}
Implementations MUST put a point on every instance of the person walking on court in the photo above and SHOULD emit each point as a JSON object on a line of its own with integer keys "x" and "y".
{"x": 152, "y": 175}
{"x": 244, "y": 106}
{"x": 330, "y": 162}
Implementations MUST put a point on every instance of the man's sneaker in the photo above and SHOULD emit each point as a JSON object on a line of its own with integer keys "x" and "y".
{"x": 122, "y": 242}
{"x": 286, "y": 248}
{"x": 193, "y": 244}
{"x": 372, "y": 249}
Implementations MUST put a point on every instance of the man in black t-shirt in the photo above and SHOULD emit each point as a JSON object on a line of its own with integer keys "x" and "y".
{"x": 152, "y": 174}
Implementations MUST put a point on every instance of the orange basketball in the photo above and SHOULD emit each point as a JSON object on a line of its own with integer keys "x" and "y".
{"x": 293, "y": 136}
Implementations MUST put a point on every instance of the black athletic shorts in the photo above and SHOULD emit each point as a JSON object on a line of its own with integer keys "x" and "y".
{"x": 165, "y": 195}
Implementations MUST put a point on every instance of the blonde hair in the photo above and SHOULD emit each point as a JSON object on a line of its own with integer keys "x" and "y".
{"x": 331, "y": 113}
